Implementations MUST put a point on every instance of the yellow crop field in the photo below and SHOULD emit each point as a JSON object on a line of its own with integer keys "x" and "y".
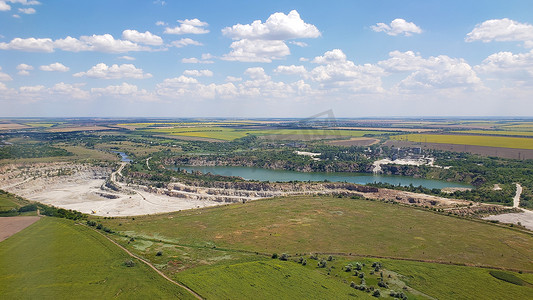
{"x": 219, "y": 133}
{"x": 497, "y": 132}
{"x": 475, "y": 140}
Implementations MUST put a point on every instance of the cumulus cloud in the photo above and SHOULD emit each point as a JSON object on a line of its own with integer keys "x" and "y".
{"x": 198, "y": 73}
{"x": 278, "y": 26}
{"x": 333, "y": 56}
{"x": 4, "y": 76}
{"x": 24, "y": 69}
{"x": 291, "y": 70}
{"x": 397, "y": 27}
{"x": 502, "y": 30}
{"x": 29, "y": 45}
{"x": 4, "y": 6}
{"x": 194, "y": 60}
{"x": 188, "y": 26}
{"x": 185, "y": 42}
{"x": 125, "y": 89}
{"x": 508, "y": 65}
{"x": 101, "y": 43}
{"x": 337, "y": 72}
{"x": 32, "y": 89}
{"x": 28, "y": 11}
{"x": 70, "y": 90}
{"x": 161, "y": 23}
{"x": 257, "y": 51}
{"x": 435, "y": 72}
{"x": 264, "y": 42}
{"x": 55, "y": 67}
{"x": 106, "y": 43}
{"x": 102, "y": 71}
{"x": 233, "y": 79}
{"x": 142, "y": 37}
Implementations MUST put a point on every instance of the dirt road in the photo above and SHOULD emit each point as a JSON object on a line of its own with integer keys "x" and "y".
{"x": 516, "y": 200}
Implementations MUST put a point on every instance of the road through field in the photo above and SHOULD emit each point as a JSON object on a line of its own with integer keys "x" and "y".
{"x": 151, "y": 266}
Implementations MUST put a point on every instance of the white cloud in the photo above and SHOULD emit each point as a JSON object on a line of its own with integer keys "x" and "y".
{"x": 29, "y": 44}
{"x": 71, "y": 44}
{"x": 502, "y": 30}
{"x": 185, "y": 42}
{"x": 192, "y": 26}
{"x": 291, "y": 70}
{"x": 102, "y": 71}
{"x": 125, "y": 89}
{"x": 333, "y": 56}
{"x": 303, "y": 59}
{"x": 24, "y": 69}
{"x": 257, "y": 73}
{"x": 233, "y": 79}
{"x": 125, "y": 57}
{"x": 27, "y": 11}
{"x": 257, "y": 51}
{"x": 32, "y": 89}
{"x": 4, "y": 6}
{"x": 4, "y": 76}
{"x": 161, "y": 23}
{"x": 508, "y": 65}
{"x": 336, "y": 72}
{"x": 25, "y": 2}
{"x": 70, "y": 90}
{"x": 55, "y": 67}
{"x": 102, "y": 43}
{"x": 397, "y": 27}
{"x": 278, "y": 26}
{"x": 106, "y": 43}
{"x": 194, "y": 60}
{"x": 144, "y": 38}
{"x": 299, "y": 44}
{"x": 16, "y": 16}
{"x": 435, "y": 72}
{"x": 198, "y": 73}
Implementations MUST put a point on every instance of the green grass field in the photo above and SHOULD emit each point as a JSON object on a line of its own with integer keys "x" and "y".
{"x": 7, "y": 203}
{"x": 229, "y": 134}
{"x": 456, "y": 282}
{"x": 267, "y": 279}
{"x": 328, "y": 224}
{"x": 56, "y": 259}
{"x": 475, "y": 140}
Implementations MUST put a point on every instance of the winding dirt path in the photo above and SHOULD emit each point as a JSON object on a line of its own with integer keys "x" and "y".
{"x": 196, "y": 295}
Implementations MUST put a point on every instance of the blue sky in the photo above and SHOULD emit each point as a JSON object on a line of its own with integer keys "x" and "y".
{"x": 265, "y": 58}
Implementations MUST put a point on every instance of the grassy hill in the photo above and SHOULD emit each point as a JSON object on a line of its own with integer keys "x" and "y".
{"x": 229, "y": 247}
{"x": 56, "y": 259}
{"x": 338, "y": 225}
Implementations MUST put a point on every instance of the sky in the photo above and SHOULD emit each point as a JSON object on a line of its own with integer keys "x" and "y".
{"x": 250, "y": 59}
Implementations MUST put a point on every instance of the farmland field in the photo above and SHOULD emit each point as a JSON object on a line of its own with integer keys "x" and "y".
{"x": 54, "y": 258}
{"x": 328, "y": 224}
{"x": 489, "y": 141}
{"x": 497, "y": 132}
{"x": 229, "y": 134}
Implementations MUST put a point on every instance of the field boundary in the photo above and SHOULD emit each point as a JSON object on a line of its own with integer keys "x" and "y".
{"x": 196, "y": 295}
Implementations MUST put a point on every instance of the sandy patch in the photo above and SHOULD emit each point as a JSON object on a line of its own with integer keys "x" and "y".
{"x": 82, "y": 190}
{"x": 525, "y": 218}
{"x": 11, "y": 225}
